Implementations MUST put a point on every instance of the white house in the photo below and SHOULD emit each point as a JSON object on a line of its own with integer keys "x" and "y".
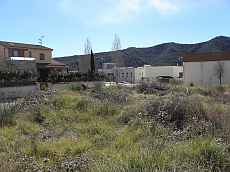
{"x": 207, "y": 69}
{"x": 152, "y": 73}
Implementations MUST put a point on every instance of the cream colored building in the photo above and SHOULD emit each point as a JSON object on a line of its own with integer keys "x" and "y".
{"x": 41, "y": 55}
{"x": 124, "y": 74}
{"x": 20, "y": 57}
{"x": 207, "y": 69}
{"x": 152, "y": 73}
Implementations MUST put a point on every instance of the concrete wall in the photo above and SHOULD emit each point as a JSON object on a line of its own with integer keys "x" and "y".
{"x": 139, "y": 74}
{"x": 206, "y": 73}
{"x": 84, "y": 64}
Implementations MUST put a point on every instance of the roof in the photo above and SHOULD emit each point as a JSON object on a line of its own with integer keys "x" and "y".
{"x": 201, "y": 57}
{"x": 56, "y": 64}
{"x": 22, "y": 45}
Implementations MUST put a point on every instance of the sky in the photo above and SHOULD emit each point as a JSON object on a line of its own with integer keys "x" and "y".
{"x": 66, "y": 24}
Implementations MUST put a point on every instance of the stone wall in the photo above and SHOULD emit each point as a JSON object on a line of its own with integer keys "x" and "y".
{"x": 16, "y": 92}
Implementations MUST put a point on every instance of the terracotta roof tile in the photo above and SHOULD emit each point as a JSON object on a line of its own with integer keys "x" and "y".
{"x": 22, "y": 45}
{"x": 206, "y": 57}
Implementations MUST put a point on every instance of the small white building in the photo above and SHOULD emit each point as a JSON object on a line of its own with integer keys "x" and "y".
{"x": 153, "y": 73}
{"x": 124, "y": 74}
{"x": 207, "y": 69}
{"x": 139, "y": 74}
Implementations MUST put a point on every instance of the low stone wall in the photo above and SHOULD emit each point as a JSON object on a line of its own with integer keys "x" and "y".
{"x": 90, "y": 84}
{"x": 8, "y": 93}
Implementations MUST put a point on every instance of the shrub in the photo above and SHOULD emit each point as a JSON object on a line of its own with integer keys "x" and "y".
{"x": 114, "y": 96}
{"x": 130, "y": 113}
{"x": 37, "y": 116}
{"x": 104, "y": 109}
{"x": 61, "y": 102}
{"x": 7, "y": 112}
{"x": 152, "y": 88}
{"x": 177, "y": 110}
{"x": 202, "y": 153}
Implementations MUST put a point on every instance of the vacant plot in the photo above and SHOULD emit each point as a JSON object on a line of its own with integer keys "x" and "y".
{"x": 118, "y": 129}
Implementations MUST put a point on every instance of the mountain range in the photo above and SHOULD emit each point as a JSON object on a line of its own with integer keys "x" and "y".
{"x": 163, "y": 54}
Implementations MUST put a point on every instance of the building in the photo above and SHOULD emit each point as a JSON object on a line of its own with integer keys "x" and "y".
{"x": 108, "y": 69}
{"x": 27, "y": 57}
{"x": 18, "y": 64}
{"x": 146, "y": 73}
{"x": 124, "y": 74}
{"x": 154, "y": 73}
{"x": 57, "y": 67}
{"x": 207, "y": 69}
{"x": 84, "y": 64}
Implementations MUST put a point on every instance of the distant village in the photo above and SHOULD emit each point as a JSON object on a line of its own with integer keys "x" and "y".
{"x": 196, "y": 69}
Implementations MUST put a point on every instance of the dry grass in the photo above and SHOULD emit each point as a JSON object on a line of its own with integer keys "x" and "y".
{"x": 76, "y": 130}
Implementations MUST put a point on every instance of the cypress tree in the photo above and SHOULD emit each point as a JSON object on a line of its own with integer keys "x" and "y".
{"x": 92, "y": 63}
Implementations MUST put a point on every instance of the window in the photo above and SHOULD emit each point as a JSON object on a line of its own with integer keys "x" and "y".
{"x": 42, "y": 56}
{"x": 13, "y": 52}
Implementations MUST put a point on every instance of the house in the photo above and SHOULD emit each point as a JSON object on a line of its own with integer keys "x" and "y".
{"x": 154, "y": 73}
{"x": 57, "y": 67}
{"x": 207, "y": 69}
{"x": 27, "y": 57}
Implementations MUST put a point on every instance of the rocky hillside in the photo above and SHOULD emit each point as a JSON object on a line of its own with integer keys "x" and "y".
{"x": 163, "y": 54}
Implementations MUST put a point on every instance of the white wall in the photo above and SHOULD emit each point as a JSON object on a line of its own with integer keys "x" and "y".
{"x": 152, "y": 72}
{"x": 139, "y": 74}
{"x": 126, "y": 74}
{"x": 205, "y": 73}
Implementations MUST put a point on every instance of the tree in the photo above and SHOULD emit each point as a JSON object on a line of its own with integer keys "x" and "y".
{"x": 116, "y": 53}
{"x": 92, "y": 63}
{"x": 88, "y": 47}
{"x": 220, "y": 71}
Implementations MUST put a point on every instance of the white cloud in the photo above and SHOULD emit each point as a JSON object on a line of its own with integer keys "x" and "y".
{"x": 116, "y": 11}
{"x": 165, "y": 6}
{"x": 122, "y": 10}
